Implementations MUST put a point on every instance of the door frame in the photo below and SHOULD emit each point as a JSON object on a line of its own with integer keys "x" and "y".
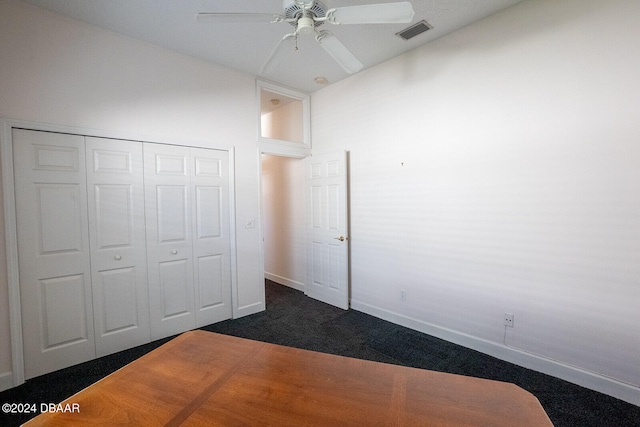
{"x": 16, "y": 376}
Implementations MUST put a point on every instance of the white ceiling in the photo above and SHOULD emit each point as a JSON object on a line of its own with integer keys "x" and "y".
{"x": 245, "y": 47}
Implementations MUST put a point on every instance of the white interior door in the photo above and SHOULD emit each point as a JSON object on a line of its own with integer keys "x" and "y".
{"x": 53, "y": 250}
{"x": 169, "y": 244}
{"x": 327, "y": 228}
{"x": 211, "y": 235}
{"x": 115, "y": 191}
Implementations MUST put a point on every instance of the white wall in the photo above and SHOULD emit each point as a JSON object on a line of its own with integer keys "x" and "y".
{"x": 497, "y": 170}
{"x": 283, "y": 217}
{"x": 59, "y": 71}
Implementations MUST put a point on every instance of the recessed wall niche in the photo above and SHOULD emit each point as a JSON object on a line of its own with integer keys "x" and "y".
{"x": 284, "y": 116}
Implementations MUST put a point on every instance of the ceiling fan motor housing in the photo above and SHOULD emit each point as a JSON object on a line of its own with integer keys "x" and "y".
{"x": 294, "y": 10}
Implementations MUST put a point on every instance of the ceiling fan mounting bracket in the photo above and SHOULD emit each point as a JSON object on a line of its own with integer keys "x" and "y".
{"x": 302, "y": 3}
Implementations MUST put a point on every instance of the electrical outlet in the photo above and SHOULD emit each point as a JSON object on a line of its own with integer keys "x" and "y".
{"x": 403, "y": 295}
{"x": 508, "y": 319}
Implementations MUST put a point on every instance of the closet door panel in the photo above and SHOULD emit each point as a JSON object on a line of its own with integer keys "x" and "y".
{"x": 169, "y": 249}
{"x": 53, "y": 250}
{"x": 175, "y": 288}
{"x": 210, "y": 281}
{"x": 172, "y": 213}
{"x": 115, "y": 189}
{"x": 118, "y": 304}
{"x": 63, "y": 315}
{"x": 211, "y": 243}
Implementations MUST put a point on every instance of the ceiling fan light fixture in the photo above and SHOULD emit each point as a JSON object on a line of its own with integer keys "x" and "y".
{"x": 306, "y": 25}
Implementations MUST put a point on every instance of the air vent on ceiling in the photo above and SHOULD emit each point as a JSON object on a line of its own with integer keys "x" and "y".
{"x": 414, "y": 30}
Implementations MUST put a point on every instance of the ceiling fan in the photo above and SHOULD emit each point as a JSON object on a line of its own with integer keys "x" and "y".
{"x": 307, "y": 15}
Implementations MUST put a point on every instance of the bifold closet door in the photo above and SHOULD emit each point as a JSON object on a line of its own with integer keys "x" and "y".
{"x": 119, "y": 242}
{"x": 211, "y": 240}
{"x": 115, "y": 188}
{"x": 53, "y": 250}
{"x": 169, "y": 248}
{"x": 188, "y": 237}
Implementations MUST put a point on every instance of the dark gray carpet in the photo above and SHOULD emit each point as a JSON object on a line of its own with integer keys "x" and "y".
{"x": 294, "y": 320}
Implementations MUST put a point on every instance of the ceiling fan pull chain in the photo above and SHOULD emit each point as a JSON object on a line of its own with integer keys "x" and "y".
{"x": 296, "y": 42}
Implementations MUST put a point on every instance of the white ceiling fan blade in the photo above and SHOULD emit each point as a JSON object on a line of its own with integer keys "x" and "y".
{"x": 339, "y": 52}
{"x": 278, "y": 54}
{"x": 385, "y": 13}
{"x": 227, "y": 18}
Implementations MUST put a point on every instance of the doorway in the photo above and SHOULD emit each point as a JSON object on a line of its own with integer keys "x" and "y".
{"x": 283, "y": 220}
{"x": 306, "y": 239}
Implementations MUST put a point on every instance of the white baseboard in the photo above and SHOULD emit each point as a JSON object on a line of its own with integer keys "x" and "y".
{"x": 572, "y": 374}
{"x": 284, "y": 281}
{"x": 6, "y": 381}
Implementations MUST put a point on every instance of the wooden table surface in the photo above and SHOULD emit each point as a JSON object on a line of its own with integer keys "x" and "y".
{"x": 203, "y": 378}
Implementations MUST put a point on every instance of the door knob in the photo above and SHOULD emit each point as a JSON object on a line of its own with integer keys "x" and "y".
{"x": 341, "y": 238}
